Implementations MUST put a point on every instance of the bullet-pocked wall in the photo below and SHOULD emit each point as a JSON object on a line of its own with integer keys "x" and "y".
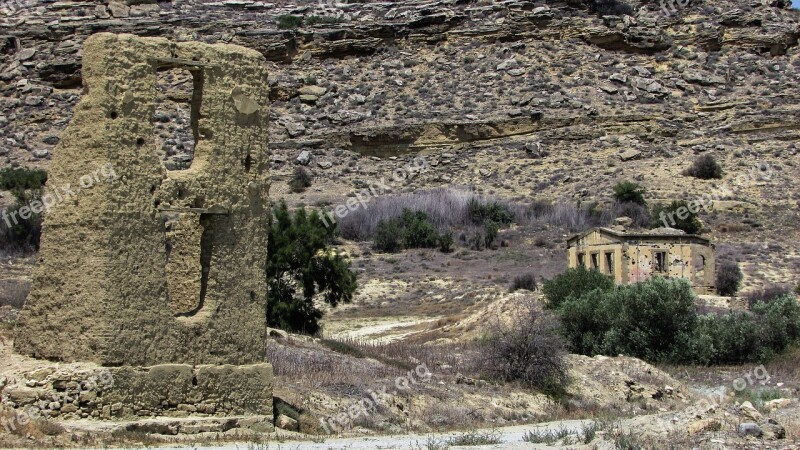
{"x": 635, "y": 257}
{"x": 159, "y": 263}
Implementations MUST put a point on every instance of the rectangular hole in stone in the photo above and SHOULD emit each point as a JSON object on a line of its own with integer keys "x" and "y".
{"x": 179, "y": 93}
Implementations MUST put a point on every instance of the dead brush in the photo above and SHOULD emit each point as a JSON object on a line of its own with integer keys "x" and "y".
{"x": 408, "y": 355}
{"x": 342, "y": 374}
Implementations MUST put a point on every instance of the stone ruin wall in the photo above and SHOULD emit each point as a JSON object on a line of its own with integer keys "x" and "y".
{"x": 131, "y": 393}
{"x": 150, "y": 264}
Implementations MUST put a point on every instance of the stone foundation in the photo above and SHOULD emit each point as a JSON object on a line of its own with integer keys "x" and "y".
{"x": 133, "y": 393}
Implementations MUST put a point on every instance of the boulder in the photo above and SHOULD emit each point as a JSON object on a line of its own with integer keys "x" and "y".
{"x": 304, "y": 158}
{"x": 317, "y": 91}
{"x": 629, "y": 155}
{"x": 749, "y": 412}
{"x": 287, "y": 423}
{"x": 778, "y": 403}
{"x": 704, "y": 425}
{"x": 750, "y": 429}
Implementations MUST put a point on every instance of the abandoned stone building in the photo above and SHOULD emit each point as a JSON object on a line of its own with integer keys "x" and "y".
{"x": 630, "y": 257}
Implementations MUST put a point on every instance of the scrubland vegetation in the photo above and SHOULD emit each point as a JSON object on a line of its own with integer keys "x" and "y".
{"x": 657, "y": 320}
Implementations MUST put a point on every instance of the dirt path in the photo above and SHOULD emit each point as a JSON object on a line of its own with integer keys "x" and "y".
{"x": 511, "y": 438}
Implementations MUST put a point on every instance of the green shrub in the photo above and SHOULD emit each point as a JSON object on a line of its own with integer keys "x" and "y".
{"x": 288, "y": 21}
{"x": 300, "y": 266}
{"x": 729, "y": 278}
{"x": 21, "y": 179}
{"x": 301, "y": 179}
{"x": 628, "y": 191}
{"x": 766, "y": 295}
{"x": 491, "y": 228}
{"x": 573, "y": 282}
{"x": 411, "y": 230}
{"x": 742, "y": 337}
{"x": 322, "y": 20}
{"x": 655, "y": 320}
{"x": 481, "y": 212}
{"x": 21, "y": 233}
{"x": 446, "y": 242}
{"x": 676, "y": 215}
{"x": 704, "y": 167}
{"x": 778, "y": 324}
{"x": 387, "y": 236}
{"x": 417, "y": 231}
{"x": 642, "y": 319}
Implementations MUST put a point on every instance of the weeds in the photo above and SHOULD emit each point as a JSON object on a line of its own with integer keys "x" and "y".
{"x": 475, "y": 438}
{"x": 468, "y": 439}
{"x": 589, "y": 431}
{"x": 758, "y": 397}
{"x": 548, "y": 437}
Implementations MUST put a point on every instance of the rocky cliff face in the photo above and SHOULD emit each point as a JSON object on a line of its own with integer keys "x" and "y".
{"x": 520, "y": 99}
{"x": 462, "y": 63}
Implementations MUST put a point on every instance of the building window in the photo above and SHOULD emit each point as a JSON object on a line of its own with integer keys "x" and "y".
{"x": 610, "y": 262}
{"x": 595, "y": 261}
{"x": 660, "y": 261}
{"x": 581, "y": 261}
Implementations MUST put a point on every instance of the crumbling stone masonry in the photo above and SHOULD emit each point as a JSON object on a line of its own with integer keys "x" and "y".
{"x": 631, "y": 257}
{"x": 162, "y": 266}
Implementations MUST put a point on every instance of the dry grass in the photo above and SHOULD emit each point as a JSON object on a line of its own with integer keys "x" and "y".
{"x": 448, "y": 209}
{"x": 406, "y": 355}
{"x": 21, "y": 425}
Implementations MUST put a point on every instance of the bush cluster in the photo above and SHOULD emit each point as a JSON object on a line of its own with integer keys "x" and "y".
{"x": 704, "y": 167}
{"x": 490, "y": 211}
{"x": 490, "y": 216}
{"x": 412, "y": 229}
{"x": 656, "y": 320}
{"x": 767, "y": 295}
